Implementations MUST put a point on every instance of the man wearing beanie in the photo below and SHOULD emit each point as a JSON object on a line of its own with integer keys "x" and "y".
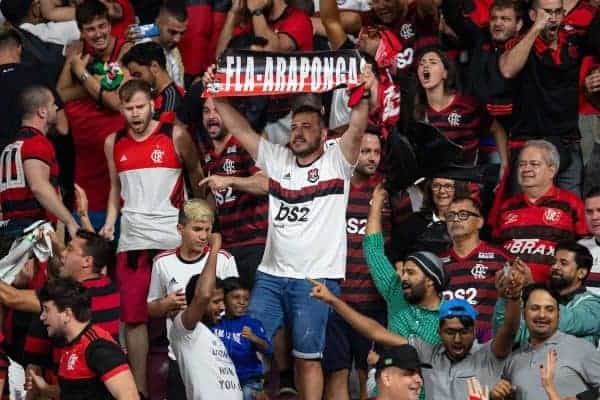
{"x": 413, "y": 292}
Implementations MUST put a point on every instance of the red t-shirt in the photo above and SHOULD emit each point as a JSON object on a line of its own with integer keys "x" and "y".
{"x": 199, "y": 43}
{"x": 120, "y": 26}
{"x": 294, "y": 23}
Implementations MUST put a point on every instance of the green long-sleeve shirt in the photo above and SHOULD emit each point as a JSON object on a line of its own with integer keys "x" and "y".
{"x": 405, "y": 319}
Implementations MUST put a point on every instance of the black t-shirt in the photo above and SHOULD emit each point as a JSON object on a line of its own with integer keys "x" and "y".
{"x": 547, "y": 100}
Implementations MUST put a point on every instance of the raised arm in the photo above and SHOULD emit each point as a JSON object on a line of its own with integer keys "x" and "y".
{"x": 332, "y": 22}
{"x": 188, "y": 152}
{"x": 204, "y": 287}
{"x": 366, "y": 326}
{"x": 232, "y": 19}
{"x": 37, "y": 174}
{"x": 513, "y": 60}
{"x": 52, "y": 12}
{"x": 351, "y": 139}
{"x": 66, "y": 87}
{"x": 503, "y": 340}
{"x": 239, "y": 127}
{"x": 382, "y": 271}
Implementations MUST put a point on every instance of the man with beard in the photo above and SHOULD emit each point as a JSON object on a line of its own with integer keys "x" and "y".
{"x": 29, "y": 170}
{"x": 457, "y": 357}
{"x": 308, "y": 194}
{"x": 239, "y": 189}
{"x": 172, "y": 23}
{"x": 344, "y": 346}
{"x": 484, "y": 80}
{"x": 546, "y": 61}
{"x": 413, "y": 291}
{"x": 579, "y": 361}
{"x": 471, "y": 264}
{"x": 90, "y": 362}
{"x": 145, "y": 162}
{"x": 146, "y": 61}
{"x": 579, "y": 308}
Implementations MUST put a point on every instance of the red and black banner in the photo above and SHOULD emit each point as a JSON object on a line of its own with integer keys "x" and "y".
{"x": 251, "y": 73}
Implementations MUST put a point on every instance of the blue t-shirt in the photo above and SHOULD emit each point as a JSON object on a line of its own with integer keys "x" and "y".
{"x": 242, "y": 351}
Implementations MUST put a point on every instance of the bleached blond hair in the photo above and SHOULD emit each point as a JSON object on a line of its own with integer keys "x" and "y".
{"x": 196, "y": 210}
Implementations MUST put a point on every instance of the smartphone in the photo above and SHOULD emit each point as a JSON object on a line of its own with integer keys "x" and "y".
{"x": 146, "y": 31}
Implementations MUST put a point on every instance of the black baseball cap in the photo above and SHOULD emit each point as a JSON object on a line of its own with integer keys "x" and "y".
{"x": 405, "y": 357}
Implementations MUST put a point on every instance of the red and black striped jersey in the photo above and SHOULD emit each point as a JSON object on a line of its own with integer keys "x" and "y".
{"x": 472, "y": 278}
{"x": 242, "y": 216}
{"x": 106, "y": 304}
{"x": 415, "y": 30}
{"x": 531, "y": 230}
{"x": 18, "y": 200}
{"x": 87, "y": 362}
{"x": 358, "y": 288}
{"x": 463, "y": 121}
{"x": 168, "y": 100}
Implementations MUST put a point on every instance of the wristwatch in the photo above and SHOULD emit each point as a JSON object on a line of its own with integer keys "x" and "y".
{"x": 256, "y": 12}
{"x": 84, "y": 77}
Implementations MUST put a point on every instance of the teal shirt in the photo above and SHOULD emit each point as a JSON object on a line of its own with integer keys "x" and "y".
{"x": 405, "y": 319}
{"x": 580, "y": 317}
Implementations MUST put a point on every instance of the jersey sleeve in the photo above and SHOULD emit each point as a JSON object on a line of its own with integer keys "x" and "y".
{"x": 106, "y": 359}
{"x": 271, "y": 157}
{"x": 227, "y": 267}
{"x": 299, "y": 28}
{"x": 38, "y": 346}
{"x": 37, "y": 149}
{"x": 157, "y": 289}
{"x": 339, "y": 162}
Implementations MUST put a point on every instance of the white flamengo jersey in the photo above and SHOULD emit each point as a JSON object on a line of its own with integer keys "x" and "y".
{"x": 152, "y": 190}
{"x": 170, "y": 273}
{"x": 307, "y": 213}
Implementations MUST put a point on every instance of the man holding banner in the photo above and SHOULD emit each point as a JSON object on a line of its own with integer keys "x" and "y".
{"x": 308, "y": 195}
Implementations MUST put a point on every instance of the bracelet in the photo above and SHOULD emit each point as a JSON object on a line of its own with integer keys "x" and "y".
{"x": 84, "y": 77}
{"x": 257, "y": 12}
{"x": 366, "y": 95}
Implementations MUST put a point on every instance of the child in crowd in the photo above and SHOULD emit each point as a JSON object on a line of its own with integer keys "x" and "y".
{"x": 244, "y": 337}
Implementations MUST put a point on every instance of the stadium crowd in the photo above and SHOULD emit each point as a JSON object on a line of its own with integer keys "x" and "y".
{"x": 430, "y": 232}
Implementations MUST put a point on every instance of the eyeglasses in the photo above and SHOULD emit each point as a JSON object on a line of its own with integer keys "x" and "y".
{"x": 462, "y": 215}
{"x": 437, "y": 187}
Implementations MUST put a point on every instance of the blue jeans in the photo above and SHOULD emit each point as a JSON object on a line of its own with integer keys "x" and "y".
{"x": 251, "y": 389}
{"x": 277, "y": 301}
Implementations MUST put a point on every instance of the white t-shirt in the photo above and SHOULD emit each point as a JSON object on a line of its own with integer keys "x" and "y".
{"x": 594, "y": 248}
{"x": 171, "y": 273}
{"x": 307, "y": 213}
{"x": 61, "y": 33}
{"x": 206, "y": 369}
{"x": 349, "y": 5}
